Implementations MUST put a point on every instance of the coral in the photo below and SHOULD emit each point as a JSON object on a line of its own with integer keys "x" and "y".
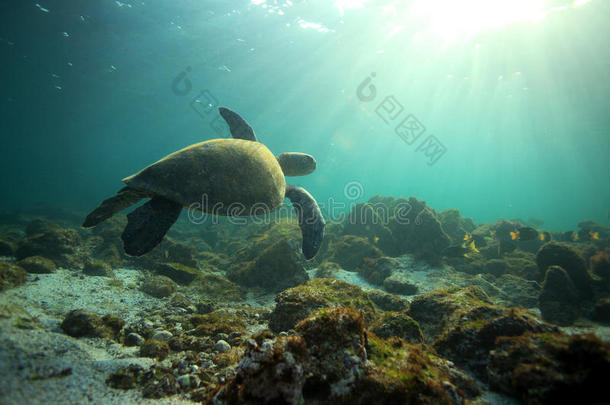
{"x": 159, "y": 286}
{"x": 80, "y": 322}
{"x": 37, "y": 264}
{"x": 11, "y": 275}
{"x": 558, "y": 300}
{"x": 295, "y": 304}
{"x": 551, "y": 368}
{"x": 398, "y": 324}
{"x": 562, "y": 255}
{"x": 376, "y": 270}
{"x": 275, "y": 269}
{"x": 350, "y": 251}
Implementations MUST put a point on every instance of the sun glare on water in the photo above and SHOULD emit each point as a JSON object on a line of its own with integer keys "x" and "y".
{"x": 454, "y": 20}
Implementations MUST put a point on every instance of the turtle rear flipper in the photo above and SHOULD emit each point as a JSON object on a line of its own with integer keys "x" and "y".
{"x": 310, "y": 219}
{"x": 147, "y": 224}
{"x": 124, "y": 198}
{"x": 237, "y": 125}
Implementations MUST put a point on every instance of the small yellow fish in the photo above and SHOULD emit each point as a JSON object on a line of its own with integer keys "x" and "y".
{"x": 594, "y": 235}
{"x": 467, "y": 236}
{"x": 542, "y": 236}
{"x": 492, "y": 233}
{"x": 574, "y": 236}
{"x": 472, "y": 247}
{"x": 376, "y": 239}
{"x": 514, "y": 235}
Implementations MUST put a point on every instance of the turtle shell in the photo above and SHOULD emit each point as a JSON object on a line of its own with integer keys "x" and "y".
{"x": 221, "y": 176}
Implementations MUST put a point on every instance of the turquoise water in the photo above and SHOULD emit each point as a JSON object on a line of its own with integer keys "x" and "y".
{"x": 517, "y": 99}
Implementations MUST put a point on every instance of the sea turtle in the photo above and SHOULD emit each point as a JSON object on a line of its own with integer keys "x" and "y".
{"x": 235, "y": 177}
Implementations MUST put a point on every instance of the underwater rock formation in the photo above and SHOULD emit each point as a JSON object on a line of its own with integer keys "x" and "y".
{"x": 217, "y": 288}
{"x": 558, "y": 299}
{"x": 159, "y": 286}
{"x": 455, "y": 225}
{"x": 376, "y": 270}
{"x": 370, "y": 221}
{"x": 565, "y": 257}
{"x": 97, "y": 268}
{"x": 551, "y": 368}
{"x": 326, "y": 362}
{"x": 462, "y": 324}
{"x": 351, "y": 251}
{"x": 276, "y": 268}
{"x": 295, "y": 304}
{"x": 397, "y": 324}
{"x": 58, "y": 244}
{"x": 37, "y": 264}
{"x": 80, "y": 322}
{"x": 11, "y": 275}
{"x": 178, "y": 272}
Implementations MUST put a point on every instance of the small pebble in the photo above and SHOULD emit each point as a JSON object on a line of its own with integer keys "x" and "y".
{"x": 234, "y": 335}
{"x": 148, "y": 324}
{"x": 188, "y": 381}
{"x": 162, "y": 335}
{"x": 222, "y": 336}
{"x": 222, "y": 346}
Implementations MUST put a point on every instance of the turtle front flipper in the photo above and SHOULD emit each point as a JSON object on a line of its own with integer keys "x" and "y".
{"x": 124, "y": 198}
{"x": 237, "y": 125}
{"x": 310, "y": 219}
{"x": 147, "y": 224}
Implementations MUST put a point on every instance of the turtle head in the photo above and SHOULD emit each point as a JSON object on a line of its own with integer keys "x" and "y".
{"x": 296, "y": 164}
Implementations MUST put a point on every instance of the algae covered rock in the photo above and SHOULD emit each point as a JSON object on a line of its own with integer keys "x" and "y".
{"x": 376, "y": 270}
{"x": 178, "y": 272}
{"x": 562, "y": 255}
{"x": 155, "y": 349}
{"x": 98, "y": 268}
{"x": 37, "y": 265}
{"x": 386, "y": 301}
{"x": 11, "y": 275}
{"x": 558, "y": 299}
{"x": 601, "y": 312}
{"x": 276, "y": 268}
{"x": 351, "y": 251}
{"x": 80, "y": 322}
{"x": 551, "y": 368}
{"x": 215, "y": 287}
{"x": 159, "y": 286}
{"x": 398, "y": 324}
{"x": 327, "y": 269}
{"x": 60, "y": 245}
{"x": 7, "y": 247}
{"x": 455, "y": 225}
{"x": 370, "y": 221}
{"x": 331, "y": 360}
{"x": 398, "y": 283}
{"x": 295, "y": 304}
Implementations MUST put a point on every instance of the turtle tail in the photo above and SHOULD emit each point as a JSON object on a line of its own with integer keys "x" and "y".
{"x": 125, "y": 197}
